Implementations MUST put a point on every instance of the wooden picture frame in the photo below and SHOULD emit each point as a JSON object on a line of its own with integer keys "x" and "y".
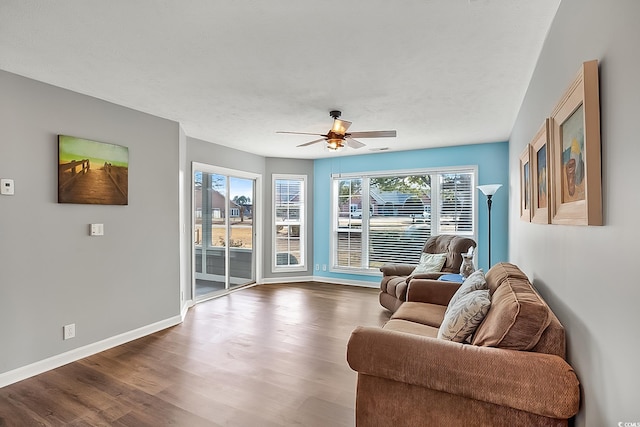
{"x": 575, "y": 140}
{"x": 92, "y": 172}
{"x": 540, "y": 177}
{"x": 525, "y": 184}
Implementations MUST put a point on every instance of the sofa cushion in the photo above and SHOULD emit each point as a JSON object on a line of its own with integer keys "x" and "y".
{"x": 430, "y": 263}
{"x": 501, "y": 272}
{"x": 517, "y": 318}
{"x": 463, "y": 317}
{"x": 472, "y": 283}
{"x": 399, "y": 325}
{"x": 396, "y": 286}
{"x": 420, "y": 312}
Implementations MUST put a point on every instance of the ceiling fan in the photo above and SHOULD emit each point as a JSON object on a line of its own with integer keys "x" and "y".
{"x": 338, "y": 137}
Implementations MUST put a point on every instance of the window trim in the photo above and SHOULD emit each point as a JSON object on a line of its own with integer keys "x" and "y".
{"x": 366, "y": 178}
{"x": 302, "y": 222}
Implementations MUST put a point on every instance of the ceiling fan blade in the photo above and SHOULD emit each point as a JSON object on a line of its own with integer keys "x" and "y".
{"x": 301, "y": 133}
{"x": 340, "y": 126}
{"x": 373, "y": 134}
{"x": 311, "y": 142}
{"x": 354, "y": 144}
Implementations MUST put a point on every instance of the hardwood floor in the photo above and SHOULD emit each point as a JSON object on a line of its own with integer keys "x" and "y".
{"x": 270, "y": 355}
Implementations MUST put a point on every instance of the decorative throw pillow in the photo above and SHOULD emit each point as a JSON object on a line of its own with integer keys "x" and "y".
{"x": 518, "y": 318}
{"x": 430, "y": 263}
{"x": 474, "y": 282}
{"x": 464, "y": 317}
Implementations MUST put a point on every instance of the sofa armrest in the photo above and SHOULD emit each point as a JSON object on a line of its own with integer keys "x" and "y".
{"x": 434, "y": 276}
{"x": 397, "y": 269}
{"x": 431, "y": 291}
{"x": 539, "y": 383}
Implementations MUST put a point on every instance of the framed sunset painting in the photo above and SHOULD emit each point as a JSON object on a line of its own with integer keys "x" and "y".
{"x": 92, "y": 172}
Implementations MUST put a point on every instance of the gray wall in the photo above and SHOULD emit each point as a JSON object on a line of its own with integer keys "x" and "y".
{"x": 218, "y": 155}
{"x": 52, "y": 272}
{"x": 589, "y": 274}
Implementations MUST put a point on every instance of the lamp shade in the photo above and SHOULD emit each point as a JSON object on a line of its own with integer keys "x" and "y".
{"x": 489, "y": 189}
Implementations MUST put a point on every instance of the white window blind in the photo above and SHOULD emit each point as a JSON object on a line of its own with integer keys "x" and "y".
{"x": 289, "y": 222}
{"x": 400, "y": 218}
{"x": 382, "y": 218}
{"x": 456, "y": 203}
{"x": 348, "y": 221}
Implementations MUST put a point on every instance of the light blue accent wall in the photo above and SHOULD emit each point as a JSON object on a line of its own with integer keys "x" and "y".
{"x": 492, "y": 160}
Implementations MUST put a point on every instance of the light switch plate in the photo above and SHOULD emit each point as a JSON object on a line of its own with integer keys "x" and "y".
{"x": 6, "y": 187}
{"x": 97, "y": 229}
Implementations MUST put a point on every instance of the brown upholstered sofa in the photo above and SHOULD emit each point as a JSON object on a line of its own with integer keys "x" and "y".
{"x": 513, "y": 373}
{"x": 396, "y": 277}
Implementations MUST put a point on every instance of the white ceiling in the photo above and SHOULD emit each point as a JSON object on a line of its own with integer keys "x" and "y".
{"x": 440, "y": 72}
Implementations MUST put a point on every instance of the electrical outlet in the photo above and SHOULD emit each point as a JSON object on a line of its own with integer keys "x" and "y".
{"x": 317, "y": 267}
{"x": 324, "y": 267}
{"x": 69, "y": 331}
{"x": 6, "y": 187}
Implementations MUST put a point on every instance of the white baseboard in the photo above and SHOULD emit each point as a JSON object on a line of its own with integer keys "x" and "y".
{"x": 58, "y": 360}
{"x": 186, "y": 305}
{"x": 288, "y": 279}
{"x": 334, "y": 281}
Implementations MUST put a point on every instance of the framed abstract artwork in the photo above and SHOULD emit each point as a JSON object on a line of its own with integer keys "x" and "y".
{"x": 575, "y": 158}
{"x": 540, "y": 194}
{"x": 525, "y": 184}
{"x": 92, "y": 172}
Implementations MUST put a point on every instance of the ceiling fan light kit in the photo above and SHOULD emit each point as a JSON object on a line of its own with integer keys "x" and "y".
{"x": 338, "y": 137}
{"x": 334, "y": 144}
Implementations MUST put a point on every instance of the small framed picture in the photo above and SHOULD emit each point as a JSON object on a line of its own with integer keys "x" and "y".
{"x": 540, "y": 195}
{"x": 525, "y": 184}
{"x": 575, "y": 136}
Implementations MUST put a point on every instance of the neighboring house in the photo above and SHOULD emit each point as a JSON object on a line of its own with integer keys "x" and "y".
{"x": 396, "y": 203}
{"x": 389, "y": 203}
{"x": 287, "y": 203}
{"x": 218, "y": 209}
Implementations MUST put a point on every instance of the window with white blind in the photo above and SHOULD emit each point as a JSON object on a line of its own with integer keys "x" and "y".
{"x": 289, "y": 222}
{"x": 388, "y": 216}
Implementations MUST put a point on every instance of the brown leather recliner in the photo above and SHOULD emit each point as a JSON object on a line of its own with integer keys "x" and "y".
{"x": 396, "y": 277}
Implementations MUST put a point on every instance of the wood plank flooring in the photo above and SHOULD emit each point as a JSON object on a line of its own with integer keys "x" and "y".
{"x": 270, "y": 355}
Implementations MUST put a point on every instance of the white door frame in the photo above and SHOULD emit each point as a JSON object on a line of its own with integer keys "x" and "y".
{"x": 257, "y": 217}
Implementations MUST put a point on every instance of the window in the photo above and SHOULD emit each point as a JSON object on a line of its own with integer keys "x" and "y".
{"x": 387, "y": 217}
{"x": 289, "y": 222}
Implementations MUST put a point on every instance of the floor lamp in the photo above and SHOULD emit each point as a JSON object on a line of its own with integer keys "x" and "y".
{"x": 489, "y": 190}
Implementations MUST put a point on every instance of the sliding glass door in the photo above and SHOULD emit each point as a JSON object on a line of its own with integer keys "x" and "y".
{"x": 224, "y": 233}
